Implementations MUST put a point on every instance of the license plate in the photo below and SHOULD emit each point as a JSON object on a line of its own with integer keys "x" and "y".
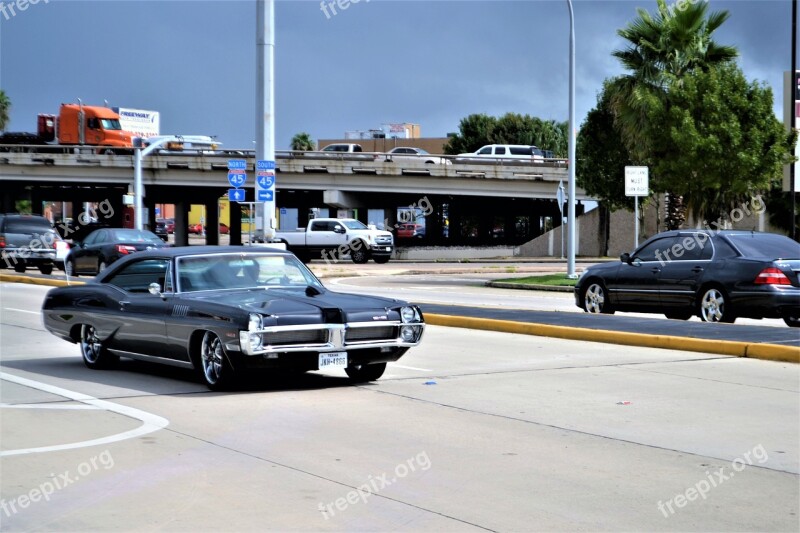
{"x": 332, "y": 360}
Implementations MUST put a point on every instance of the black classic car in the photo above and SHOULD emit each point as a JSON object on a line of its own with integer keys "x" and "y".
{"x": 227, "y": 309}
{"x": 717, "y": 275}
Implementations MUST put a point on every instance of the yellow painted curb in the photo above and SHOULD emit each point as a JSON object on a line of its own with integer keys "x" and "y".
{"x": 772, "y": 352}
{"x": 11, "y": 278}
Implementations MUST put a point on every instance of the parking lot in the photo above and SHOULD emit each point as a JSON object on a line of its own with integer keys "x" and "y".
{"x": 473, "y": 430}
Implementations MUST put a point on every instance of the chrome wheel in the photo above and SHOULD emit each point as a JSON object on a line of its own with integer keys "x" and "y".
{"x": 212, "y": 357}
{"x": 95, "y": 355}
{"x": 595, "y": 299}
{"x": 714, "y": 308}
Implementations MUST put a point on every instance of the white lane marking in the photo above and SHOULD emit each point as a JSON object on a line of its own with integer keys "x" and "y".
{"x": 412, "y": 368}
{"x": 150, "y": 422}
{"x": 21, "y": 310}
{"x": 45, "y": 406}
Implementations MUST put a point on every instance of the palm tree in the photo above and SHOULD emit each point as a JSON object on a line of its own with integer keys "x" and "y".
{"x": 5, "y": 105}
{"x": 663, "y": 48}
{"x": 302, "y": 142}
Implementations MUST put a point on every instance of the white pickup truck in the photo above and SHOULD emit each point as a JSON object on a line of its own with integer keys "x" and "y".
{"x": 332, "y": 238}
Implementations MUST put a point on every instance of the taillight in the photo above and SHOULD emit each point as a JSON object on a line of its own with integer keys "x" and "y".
{"x": 2, "y": 242}
{"x": 772, "y": 276}
{"x": 125, "y": 250}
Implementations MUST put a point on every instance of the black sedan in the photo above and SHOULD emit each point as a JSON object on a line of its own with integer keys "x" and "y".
{"x": 717, "y": 275}
{"x": 227, "y": 310}
{"x": 104, "y": 246}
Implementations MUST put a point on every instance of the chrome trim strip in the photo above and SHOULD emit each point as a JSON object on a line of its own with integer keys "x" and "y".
{"x": 153, "y": 359}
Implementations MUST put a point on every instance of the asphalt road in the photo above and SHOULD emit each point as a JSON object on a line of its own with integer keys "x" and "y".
{"x": 473, "y": 430}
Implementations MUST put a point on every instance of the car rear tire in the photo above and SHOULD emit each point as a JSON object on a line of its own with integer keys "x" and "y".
{"x": 595, "y": 299}
{"x": 365, "y": 373}
{"x": 20, "y": 268}
{"x": 793, "y": 321}
{"x": 95, "y": 355}
{"x": 713, "y": 306}
{"x": 216, "y": 369}
{"x": 69, "y": 268}
{"x": 46, "y": 269}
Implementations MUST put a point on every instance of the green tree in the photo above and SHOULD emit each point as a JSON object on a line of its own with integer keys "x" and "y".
{"x": 662, "y": 49}
{"x": 602, "y": 155}
{"x": 474, "y": 131}
{"x": 512, "y": 128}
{"x": 718, "y": 142}
{"x": 5, "y": 106}
{"x": 302, "y": 142}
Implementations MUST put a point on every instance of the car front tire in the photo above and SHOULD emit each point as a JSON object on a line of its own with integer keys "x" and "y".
{"x": 365, "y": 373}
{"x": 714, "y": 307}
{"x": 216, "y": 369}
{"x": 595, "y": 299}
{"x": 95, "y": 355}
{"x": 359, "y": 256}
{"x": 792, "y": 320}
{"x": 69, "y": 268}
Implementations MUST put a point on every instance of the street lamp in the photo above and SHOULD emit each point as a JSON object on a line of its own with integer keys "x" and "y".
{"x": 571, "y": 157}
{"x": 138, "y": 188}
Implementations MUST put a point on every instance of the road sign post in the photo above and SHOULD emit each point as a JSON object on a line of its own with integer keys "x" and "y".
{"x": 636, "y": 185}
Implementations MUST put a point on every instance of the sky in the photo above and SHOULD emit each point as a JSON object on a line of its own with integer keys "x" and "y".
{"x": 377, "y": 61}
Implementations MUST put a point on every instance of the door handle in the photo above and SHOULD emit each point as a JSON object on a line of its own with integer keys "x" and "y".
{"x": 122, "y": 304}
{"x": 697, "y": 269}
{"x": 655, "y": 270}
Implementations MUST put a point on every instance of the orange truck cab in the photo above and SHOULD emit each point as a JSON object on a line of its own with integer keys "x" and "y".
{"x": 89, "y": 125}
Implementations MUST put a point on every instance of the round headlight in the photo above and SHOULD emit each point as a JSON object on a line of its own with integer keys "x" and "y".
{"x": 408, "y": 314}
{"x": 407, "y": 334}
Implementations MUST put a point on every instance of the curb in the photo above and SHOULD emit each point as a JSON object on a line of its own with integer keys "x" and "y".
{"x": 770, "y": 352}
{"x": 528, "y": 287}
{"x": 11, "y": 278}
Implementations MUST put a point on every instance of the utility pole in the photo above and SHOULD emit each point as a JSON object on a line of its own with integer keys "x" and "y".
{"x": 265, "y": 101}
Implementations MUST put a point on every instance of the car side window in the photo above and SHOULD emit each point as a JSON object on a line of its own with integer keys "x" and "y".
{"x": 319, "y": 226}
{"x": 692, "y": 247}
{"x": 723, "y": 250}
{"x": 519, "y": 150}
{"x": 500, "y": 150}
{"x": 356, "y": 148}
{"x": 486, "y": 150}
{"x": 102, "y": 236}
{"x": 655, "y": 251}
{"x": 137, "y": 276}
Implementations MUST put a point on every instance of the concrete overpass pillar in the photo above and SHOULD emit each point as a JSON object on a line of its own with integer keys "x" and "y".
{"x": 235, "y": 225}
{"x": 181, "y": 223}
{"x": 36, "y": 203}
{"x": 212, "y": 222}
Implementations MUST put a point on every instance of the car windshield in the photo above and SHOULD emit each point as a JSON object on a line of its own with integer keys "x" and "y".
{"x": 110, "y": 124}
{"x": 242, "y": 271}
{"x": 766, "y": 245}
{"x": 354, "y": 224}
{"x": 135, "y": 235}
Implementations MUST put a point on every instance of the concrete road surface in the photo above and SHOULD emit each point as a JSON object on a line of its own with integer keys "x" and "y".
{"x": 470, "y": 431}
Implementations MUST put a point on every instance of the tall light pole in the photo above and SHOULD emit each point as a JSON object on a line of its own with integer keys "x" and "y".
{"x": 265, "y": 100}
{"x": 571, "y": 157}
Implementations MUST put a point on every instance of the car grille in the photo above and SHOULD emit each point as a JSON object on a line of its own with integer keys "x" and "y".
{"x": 383, "y": 240}
{"x": 309, "y": 336}
{"x": 370, "y": 334}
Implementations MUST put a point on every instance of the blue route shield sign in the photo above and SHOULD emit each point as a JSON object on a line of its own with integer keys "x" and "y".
{"x": 236, "y": 195}
{"x": 265, "y": 179}
{"x": 237, "y": 178}
{"x": 265, "y": 195}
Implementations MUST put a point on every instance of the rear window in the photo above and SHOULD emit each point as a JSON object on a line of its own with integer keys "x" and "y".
{"x": 520, "y": 150}
{"x": 26, "y": 225}
{"x": 766, "y": 245}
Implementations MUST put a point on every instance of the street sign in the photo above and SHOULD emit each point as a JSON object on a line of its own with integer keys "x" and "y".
{"x": 237, "y": 178}
{"x": 636, "y": 181}
{"x": 265, "y": 195}
{"x": 265, "y": 179}
{"x": 265, "y": 164}
{"x": 237, "y": 164}
{"x": 236, "y": 195}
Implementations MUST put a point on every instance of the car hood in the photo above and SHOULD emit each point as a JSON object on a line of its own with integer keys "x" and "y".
{"x": 293, "y": 306}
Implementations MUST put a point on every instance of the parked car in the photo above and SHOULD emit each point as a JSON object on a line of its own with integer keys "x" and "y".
{"x": 408, "y": 153}
{"x": 28, "y": 241}
{"x": 200, "y": 228}
{"x": 226, "y": 311}
{"x": 518, "y": 152}
{"x": 104, "y": 246}
{"x": 718, "y": 276}
{"x": 350, "y": 148}
{"x": 170, "y": 225}
{"x": 161, "y": 229}
{"x": 409, "y": 231}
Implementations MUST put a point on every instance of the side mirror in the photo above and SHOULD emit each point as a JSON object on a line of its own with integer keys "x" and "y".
{"x": 625, "y": 258}
{"x": 154, "y": 289}
{"x": 338, "y": 229}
